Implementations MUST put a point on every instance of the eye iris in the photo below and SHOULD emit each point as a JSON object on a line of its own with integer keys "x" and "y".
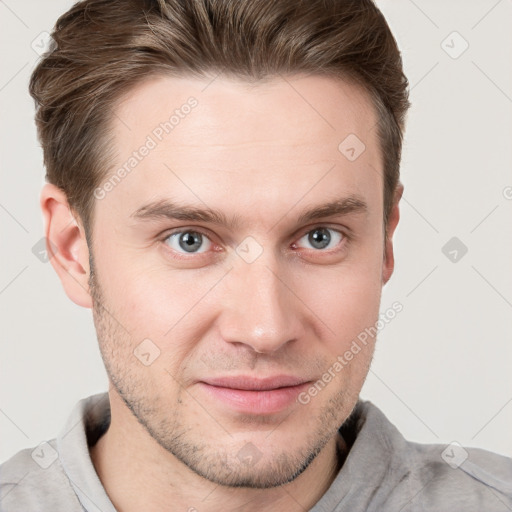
{"x": 320, "y": 236}
{"x": 190, "y": 241}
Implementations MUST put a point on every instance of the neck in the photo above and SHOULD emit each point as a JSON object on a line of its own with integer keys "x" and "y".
{"x": 149, "y": 478}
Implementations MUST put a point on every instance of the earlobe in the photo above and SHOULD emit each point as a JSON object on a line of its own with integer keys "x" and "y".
{"x": 394, "y": 217}
{"x": 66, "y": 244}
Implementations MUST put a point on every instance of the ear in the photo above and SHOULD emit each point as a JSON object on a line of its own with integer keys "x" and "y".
{"x": 394, "y": 217}
{"x": 66, "y": 245}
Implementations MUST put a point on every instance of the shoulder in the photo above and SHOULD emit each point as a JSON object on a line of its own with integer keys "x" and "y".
{"x": 476, "y": 478}
{"x": 436, "y": 476}
{"x": 34, "y": 479}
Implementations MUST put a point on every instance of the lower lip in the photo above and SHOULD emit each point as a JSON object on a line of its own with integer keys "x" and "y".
{"x": 255, "y": 402}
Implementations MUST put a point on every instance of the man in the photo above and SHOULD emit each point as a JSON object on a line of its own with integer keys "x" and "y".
{"x": 223, "y": 192}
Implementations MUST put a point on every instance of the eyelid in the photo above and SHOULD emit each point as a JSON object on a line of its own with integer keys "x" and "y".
{"x": 343, "y": 230}
{"x": 167, "y": 234}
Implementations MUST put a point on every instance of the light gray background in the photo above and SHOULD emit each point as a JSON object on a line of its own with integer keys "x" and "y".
{"x": 442, "y": 368}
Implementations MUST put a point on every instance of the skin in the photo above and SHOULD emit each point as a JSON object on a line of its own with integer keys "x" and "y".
{"x": 261, "y": 154}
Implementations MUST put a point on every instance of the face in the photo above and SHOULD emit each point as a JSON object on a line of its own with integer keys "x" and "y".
{"x": 225, "y": 290}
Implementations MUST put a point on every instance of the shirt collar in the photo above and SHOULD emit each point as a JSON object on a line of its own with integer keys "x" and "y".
{"x": 367, "y": 434}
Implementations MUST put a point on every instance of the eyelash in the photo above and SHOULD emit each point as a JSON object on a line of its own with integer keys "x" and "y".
{"x": 181, "y": 255}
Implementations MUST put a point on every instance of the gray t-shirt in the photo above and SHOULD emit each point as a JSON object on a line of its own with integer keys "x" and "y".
{"x": 382, "y": 471}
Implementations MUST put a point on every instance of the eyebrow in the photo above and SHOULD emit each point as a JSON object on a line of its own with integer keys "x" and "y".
{"x": 166, "y": 209}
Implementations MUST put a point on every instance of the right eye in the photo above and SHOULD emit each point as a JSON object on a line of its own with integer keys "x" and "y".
{"x": 188, "y": 241}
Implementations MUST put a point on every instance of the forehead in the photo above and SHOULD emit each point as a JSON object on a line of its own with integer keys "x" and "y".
{"x": 231, "y": 141}
{"x": 246, "y": 112}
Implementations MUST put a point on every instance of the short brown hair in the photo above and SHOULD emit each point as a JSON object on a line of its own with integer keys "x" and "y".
{"x": 102, "y": 48}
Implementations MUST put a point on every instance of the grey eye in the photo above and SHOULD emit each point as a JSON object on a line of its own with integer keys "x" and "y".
{"x": 188, "y": 241}
{"x": 320, "y": 238}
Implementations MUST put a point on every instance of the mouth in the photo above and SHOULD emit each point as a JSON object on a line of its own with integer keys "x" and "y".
{"x": 249, "y": 395}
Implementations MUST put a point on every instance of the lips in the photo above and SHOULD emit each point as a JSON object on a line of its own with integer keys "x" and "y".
{"x": 251, "y": 395}
{"x": 253, "y": 384}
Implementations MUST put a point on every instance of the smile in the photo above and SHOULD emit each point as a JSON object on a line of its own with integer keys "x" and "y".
{"x": 255, "y": 396}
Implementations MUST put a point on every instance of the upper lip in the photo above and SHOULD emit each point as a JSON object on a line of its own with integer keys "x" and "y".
{"x": 248, "y": 383}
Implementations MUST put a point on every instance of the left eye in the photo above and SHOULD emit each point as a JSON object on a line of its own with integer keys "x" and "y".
{"x": 321, "y": 238}
{"x": 188, "y": 241}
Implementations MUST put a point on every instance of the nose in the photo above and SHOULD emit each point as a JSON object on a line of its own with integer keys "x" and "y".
{"x": 260, "y": 309}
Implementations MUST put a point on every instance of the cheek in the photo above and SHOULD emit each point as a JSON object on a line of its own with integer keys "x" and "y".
{"x": 153, "y": 301}
{"x": 346, "y": 298}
